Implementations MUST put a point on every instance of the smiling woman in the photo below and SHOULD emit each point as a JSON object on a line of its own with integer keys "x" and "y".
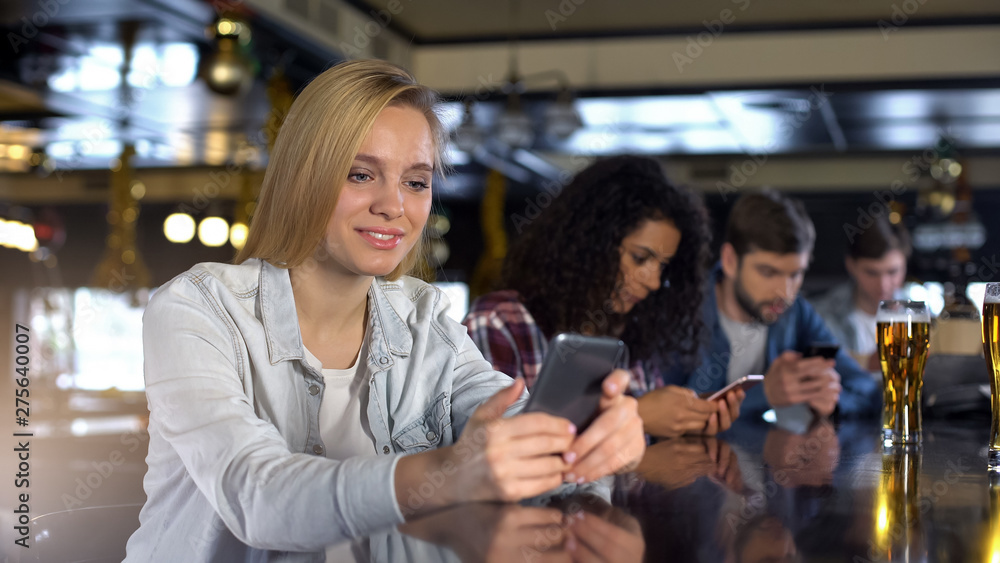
{"x": 312, "y": 392}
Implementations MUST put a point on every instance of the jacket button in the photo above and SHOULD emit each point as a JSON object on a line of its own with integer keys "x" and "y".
{"x": 314, "y": 389}
{"x": 431, "y": 436}
{"x": 318, "y": 449}
{"x": 383, "y": 360}
{"x": 385, "y": 449}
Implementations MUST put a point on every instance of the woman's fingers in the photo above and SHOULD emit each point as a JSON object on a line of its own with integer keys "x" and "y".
{"x": 539, "y": 445}
{"x": 616, "y": 451}
{"x": 540, "y": 467}
{"x": 529, "y": 424}
{"x": 602, "y": 428}
{"x": 725, "y": 420}
{"x": 712, "y": 426}
{"x": 696, "y": 406}
{"x": 616, "y": 383}
{"x": 734, "y": 400}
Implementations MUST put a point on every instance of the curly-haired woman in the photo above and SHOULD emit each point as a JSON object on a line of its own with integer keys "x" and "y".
{"x": 620, "y": 252}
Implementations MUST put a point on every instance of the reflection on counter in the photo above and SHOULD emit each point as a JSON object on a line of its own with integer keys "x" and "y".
{"x": 899, "y": 534}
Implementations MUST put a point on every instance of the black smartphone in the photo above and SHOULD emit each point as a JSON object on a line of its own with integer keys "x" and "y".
{"x": 569, "y": 382}
{"x": 827, "y": 350}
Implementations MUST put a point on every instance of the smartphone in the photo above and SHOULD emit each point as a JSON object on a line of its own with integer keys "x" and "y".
{"x": 569, "y": 382}
{"x": 827, "y": 350}
{"x": 745, "y": 382}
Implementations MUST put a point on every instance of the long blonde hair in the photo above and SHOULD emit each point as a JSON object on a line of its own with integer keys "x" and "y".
{"x": 314, "y": 151}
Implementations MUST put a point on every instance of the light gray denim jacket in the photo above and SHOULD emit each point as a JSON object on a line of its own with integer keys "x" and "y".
{"x": 236, "y": 465}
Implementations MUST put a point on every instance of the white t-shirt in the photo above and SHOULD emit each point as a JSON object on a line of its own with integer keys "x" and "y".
{"x": 343, "y": 425}
{"x": 747, "y": 347}
{"x": 343, "y": 412}
{"x": 864, "y": 327}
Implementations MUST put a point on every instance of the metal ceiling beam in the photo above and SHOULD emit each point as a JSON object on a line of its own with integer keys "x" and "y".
{"x": 728, "y": 61}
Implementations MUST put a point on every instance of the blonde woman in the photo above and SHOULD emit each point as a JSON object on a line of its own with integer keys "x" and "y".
{"x": 312, "y": 392}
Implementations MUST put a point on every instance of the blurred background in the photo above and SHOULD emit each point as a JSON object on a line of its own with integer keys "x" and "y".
{"x": 134, "y": 135}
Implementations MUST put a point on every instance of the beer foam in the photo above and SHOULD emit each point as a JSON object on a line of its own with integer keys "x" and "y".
{"x": 902, "y": 317}
{"x": 991, "y": 298}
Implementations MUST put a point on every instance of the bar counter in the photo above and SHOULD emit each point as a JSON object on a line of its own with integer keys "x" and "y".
{"x": 757, "y": 493}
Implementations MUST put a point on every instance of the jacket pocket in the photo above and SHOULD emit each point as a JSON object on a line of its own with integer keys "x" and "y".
{"x": 427, "y": 431}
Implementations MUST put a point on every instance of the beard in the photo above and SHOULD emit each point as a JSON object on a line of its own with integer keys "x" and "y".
{"x": 756, "y": 310}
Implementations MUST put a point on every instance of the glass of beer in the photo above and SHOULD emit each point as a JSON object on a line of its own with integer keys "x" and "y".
{"x": 991, "y": 318}
{"x": 903, "y": 330}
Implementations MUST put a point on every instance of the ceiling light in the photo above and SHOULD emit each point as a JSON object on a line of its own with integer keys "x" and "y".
{"x": 15, "y": 234}
{"x": 213, "y": 231}
{"x": 238, "y": 235}
{"x": 179, "y": 227}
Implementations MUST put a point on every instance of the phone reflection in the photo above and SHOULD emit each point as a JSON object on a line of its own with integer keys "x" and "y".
{"x": 898, "y": 533}
{"x": 578, "y": 528}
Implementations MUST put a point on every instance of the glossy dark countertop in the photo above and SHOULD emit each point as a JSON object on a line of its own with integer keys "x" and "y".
{"x": 763, "y": 494}
{"x": 755, "y": 494}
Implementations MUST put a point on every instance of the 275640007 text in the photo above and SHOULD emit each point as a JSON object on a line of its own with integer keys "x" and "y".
{"x": 22, "y": 413}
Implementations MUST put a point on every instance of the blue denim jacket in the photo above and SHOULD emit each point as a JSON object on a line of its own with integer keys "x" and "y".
{"x": 236, "y": 465}
{"x": 795, "y": 329}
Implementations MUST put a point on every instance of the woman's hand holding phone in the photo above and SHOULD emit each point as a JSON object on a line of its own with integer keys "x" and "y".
{"x": 672, "y": 411}
{"x": 509, "y": 459}
{"x": 497, "y": 458}
{"x": 614, "y": 441}
{"x": 728, "y": 411}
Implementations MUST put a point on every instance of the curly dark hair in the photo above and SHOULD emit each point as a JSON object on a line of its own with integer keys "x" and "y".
{"x": 566, "y": 262}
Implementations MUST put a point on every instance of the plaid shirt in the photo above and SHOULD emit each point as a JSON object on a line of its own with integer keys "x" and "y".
{"x": 509, "y": 338}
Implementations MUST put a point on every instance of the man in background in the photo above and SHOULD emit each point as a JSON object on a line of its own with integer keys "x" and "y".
{"x": 758, "y": 324}
{"x": 876, "y": 262}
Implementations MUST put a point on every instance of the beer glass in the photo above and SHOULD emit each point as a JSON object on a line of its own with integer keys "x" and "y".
{"x": 903, "y": 329}
{"x": 991, "y": 318}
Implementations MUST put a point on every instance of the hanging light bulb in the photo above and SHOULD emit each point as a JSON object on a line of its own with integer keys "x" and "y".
{"x": 468, "y": 135}
{"x": 514, "y": 127}
{"x": 213, "y": 231}
{"x": 179, "y": 227}
{"x": 228, "y": 71}
{"x": 561, "y": 118}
